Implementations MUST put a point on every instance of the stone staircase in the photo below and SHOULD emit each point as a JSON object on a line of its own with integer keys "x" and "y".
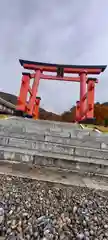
{"x": 54, "y": 145}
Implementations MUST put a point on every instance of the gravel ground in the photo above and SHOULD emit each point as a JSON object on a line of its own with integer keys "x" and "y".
{"x": 31, "y": 209}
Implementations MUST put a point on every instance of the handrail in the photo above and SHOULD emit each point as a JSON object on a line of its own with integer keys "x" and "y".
{"x": 7, "y": 104}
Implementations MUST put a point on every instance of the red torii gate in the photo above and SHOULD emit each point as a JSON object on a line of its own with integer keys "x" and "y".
{"x": 84, "y": 107}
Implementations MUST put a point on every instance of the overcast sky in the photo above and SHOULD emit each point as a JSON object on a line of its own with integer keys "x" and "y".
{"x": 56, "y": 31}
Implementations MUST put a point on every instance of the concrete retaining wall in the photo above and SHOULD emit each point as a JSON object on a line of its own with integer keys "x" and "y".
{"x": 54, "y": 145}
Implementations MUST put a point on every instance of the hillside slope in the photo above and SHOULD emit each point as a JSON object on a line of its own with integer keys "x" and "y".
{"x": 43, "y": 113}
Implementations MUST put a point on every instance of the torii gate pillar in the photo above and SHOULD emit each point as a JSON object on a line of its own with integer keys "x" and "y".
{"x": 33, "y": 93}
{"x": 83, "y": 79}
{"x": 21, "y": 100}
{"x": 90, "y": 98}
{"x": 77, "y": 110}
{"x": 36, "y": 108}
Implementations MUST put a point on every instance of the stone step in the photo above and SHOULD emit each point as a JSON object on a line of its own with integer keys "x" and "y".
{"x": 52, "y": 124}
{"x": 20, "y": 130}
{"x": 25, "y": 138}
{"x": 28, "y": 153}
{"x": 7, "y": 127}
{"x": 30, "y": 126}
{"x": 85, "y": 141}
{"x": 26, "y": 126}
{"x": 40, "y": 124}
{"x": 59, "y": 148}
{"x": 79, "y": 165}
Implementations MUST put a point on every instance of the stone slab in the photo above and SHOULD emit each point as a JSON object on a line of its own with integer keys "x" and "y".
{"x": 36, "y": 145}
{"x": 64, "y": 138}
{"x": 74, "y": 141}
{"x": 91, "y": 153}
{"x": 62, "y": 146}
{"x": 38, "y": 125}
{"x": 51, "y": 155}
{"x": 64, "y": 164}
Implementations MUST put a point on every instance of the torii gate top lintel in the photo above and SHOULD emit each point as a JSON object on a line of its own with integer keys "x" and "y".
{"x": 49, "y": 67}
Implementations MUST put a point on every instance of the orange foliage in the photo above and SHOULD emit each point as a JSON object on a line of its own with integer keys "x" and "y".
{"x": 100, "y": 113}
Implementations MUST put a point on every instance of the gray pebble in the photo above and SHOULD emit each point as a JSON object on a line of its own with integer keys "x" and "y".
{"x": 38, "y": 210}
